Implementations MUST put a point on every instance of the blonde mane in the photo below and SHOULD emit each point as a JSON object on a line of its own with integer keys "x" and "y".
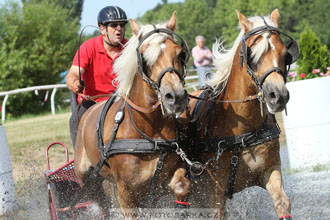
{"x": 223, "y": 59}
{"x": 126, "y": 65}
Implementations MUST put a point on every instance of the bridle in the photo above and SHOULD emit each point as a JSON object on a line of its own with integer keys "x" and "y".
{"x": 292, "y": 47}
{"x": 293, "y": 55}
{"x": 184, "y": 59}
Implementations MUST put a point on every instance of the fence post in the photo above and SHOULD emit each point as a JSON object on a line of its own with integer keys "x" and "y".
{"x": 7, "y": 188}
{"x": 3, "y": 109}
{"x": 52, "y": 101}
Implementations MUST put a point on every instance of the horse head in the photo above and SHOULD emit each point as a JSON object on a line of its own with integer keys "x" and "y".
{"x": 161, "y": 61}
{"x": 266, "y": 53}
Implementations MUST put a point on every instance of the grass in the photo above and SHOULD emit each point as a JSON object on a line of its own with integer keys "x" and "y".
{"x": 28, "y": 138}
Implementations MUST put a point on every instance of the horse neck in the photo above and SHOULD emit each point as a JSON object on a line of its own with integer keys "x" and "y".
{"x": 154, "y": 124}
{"x": 242, "y": 117}
{"x": 141, "y": 94}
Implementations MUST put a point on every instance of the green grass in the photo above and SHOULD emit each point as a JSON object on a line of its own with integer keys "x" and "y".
{"x": 28, "y": 138}
{"x": 36, "y": 132}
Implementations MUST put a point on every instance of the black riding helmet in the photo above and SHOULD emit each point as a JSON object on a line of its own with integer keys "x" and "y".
{"x": 111, "y": 14}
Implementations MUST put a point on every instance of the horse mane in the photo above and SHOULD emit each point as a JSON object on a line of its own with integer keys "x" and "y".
{"x": 126, "y": 67}
{"x": 223, "y": 58}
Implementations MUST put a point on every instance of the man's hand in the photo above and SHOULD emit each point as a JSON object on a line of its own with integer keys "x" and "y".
{"x": 77, "y": 87}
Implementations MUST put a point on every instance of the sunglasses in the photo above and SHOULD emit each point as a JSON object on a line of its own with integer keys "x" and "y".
{"x": 114, "y": 25}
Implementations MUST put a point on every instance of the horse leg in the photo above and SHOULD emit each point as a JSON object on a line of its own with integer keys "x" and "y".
{"x": 98, "y": 195}
{"x": 274, "y": 187}
{"x": 217, "y": 197}
{"x": 128, "y": 201}
{"x": 180, "y": 186}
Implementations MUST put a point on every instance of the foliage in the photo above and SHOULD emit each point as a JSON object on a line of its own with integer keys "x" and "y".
{"x": 73, "y": 6}
{"x": 193, "y": 18}
{"x": 37, "y": 42}
{"x": 316, "y": 14}
{"x": 213, "y": 18}
{"x": 314, "y": 57}
{"x": 293, "y": 76}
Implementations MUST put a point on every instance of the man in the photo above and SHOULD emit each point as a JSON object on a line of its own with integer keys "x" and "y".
{"x": 202, "y": 59}
{"x": 95, "y": 59}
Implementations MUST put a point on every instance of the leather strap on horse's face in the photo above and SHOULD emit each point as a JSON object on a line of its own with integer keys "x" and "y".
{"x": 184, "y": 59}
{"x": 292, "y": 47}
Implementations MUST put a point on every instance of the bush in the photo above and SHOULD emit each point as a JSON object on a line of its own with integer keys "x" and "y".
{"x": 37, "y": 42}
{"x": 314, "y": 57}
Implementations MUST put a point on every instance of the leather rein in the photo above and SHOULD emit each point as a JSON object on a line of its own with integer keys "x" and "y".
{"x": 129, "y": 102}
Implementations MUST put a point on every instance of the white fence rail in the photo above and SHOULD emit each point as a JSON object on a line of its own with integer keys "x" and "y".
{"x": 191, "y": 83}
{"x": 33, "y": 88}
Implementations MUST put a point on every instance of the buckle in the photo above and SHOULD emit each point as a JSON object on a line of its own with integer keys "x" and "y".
{"x": 159, "y": 165}
{"x": 234, "y": 160}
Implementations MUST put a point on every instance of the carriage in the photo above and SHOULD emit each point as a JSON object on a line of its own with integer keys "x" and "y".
{"x": 62, "y": 186}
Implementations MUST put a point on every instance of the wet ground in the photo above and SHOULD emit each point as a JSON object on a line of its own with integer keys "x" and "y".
{"x": 309, "y": 193}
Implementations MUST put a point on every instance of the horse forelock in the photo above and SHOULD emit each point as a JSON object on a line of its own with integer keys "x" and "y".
{"x": 223, "y": 58}
{"x": 126, "y": 67}
{"x": 263, "y": 45}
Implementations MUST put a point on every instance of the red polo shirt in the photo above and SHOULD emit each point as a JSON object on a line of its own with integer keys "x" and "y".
{"x": 98, "y": 64}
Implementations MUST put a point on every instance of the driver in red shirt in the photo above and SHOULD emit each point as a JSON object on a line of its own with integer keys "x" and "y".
{"x": 95, "y": 58}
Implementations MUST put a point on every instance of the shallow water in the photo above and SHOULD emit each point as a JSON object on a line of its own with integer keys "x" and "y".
{"x": 309, "y": 194}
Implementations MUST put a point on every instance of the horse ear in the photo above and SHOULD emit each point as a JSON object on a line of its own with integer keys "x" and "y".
{"x": 171, "y": 24}
{"x": 244, "y": 22}
{"x": 275, "y": 16}
{"x": 134, "y": 26}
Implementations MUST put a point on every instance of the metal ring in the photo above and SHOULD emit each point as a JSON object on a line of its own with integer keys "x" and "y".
{"x": 196, "y": 165}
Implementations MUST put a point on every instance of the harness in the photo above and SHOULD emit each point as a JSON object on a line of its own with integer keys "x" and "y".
{"x": 134, "y": 146}
{"x": 211, "y": 144}
{"x": 265, "y": 133}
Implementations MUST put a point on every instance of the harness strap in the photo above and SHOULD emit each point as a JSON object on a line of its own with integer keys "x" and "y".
{"x": 87, "y": 97}
{"x": 140, "y": 109}
{"x": 232, "y": 175}
{"x": 95, "y": 171}
{"x": 264, "y": 134}
{"x": 133, "y": 146}
{"x": 159, "y": 166}
{"x": 243, "y": 100}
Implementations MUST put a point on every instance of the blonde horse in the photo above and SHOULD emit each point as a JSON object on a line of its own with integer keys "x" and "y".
{"x": 233, "y": 133}
{"x": 141, "y": 125}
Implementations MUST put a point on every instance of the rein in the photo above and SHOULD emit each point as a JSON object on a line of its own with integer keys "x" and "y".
{"x": 93, "y": 98}
{"x": 243, "y": 100}
{"x": 140, "y": 109}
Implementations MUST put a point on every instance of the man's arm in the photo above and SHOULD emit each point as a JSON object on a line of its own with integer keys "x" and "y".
{"x": 72, "y": 79}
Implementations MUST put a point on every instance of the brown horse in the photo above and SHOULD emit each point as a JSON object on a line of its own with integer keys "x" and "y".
{"x": 231, "y": 125}
{"x": 150, "y": 95}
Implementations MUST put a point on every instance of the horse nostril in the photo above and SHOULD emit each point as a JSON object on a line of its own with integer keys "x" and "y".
{"x": 169, "y": 98}
{"x": 272, "y": 95}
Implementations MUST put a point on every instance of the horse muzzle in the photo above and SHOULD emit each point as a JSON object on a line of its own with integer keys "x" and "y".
{"x": 174, "y": 101}
{"x": 276, "y": 97}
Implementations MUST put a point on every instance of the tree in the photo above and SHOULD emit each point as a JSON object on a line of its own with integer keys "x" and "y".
{"x": 225, "y": 15}
{"x": 73, "y": 6}
{"x": 37, "y": 42}
{"x": 194, "y": 17}
{"x": 316, "y": 14}
{"x": 313, "y": 55}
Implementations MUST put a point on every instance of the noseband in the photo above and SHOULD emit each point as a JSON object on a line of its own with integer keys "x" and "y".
{"x": 184, "y": 60}
{"x": 293, "y": 51}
